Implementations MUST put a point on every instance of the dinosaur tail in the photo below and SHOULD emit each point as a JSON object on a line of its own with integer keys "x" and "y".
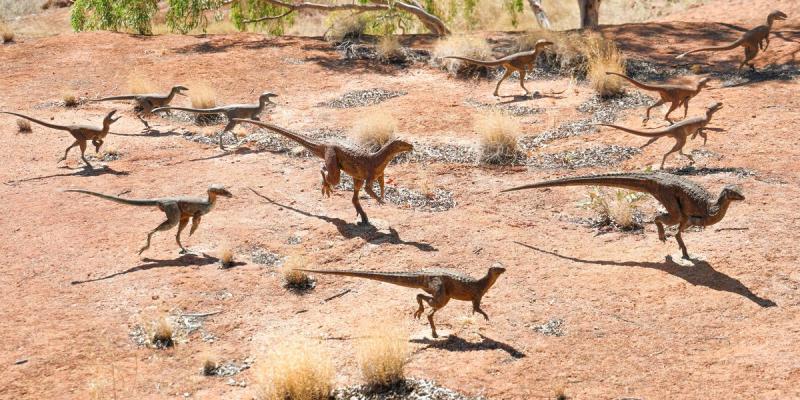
{"x": 52, "y": 126}
{"x": 652, "y": 133}
{"x": 395, "y": 278}
{"x": 126, "y": 97}
{"x": 637, "y": 182}
{"x": 314, "y": 148}
{"x": 495, "y": 63}
{"x": 131, "y": 202}
{"x": 632, "y": 81}
{"x": 193, "y": 110}
{"x": 717, "y": 48}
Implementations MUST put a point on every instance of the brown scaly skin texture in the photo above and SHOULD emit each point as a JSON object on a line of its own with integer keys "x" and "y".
{"x": 687, "y": 203}
{"x": 442, "y": 285}
{"x": 753, "y": 40}
{"x": 81, "y": 133}
{"x": 519, "y": 62}
{"x": 679, "y": 131}
{"x": 178, "y": 209}
{"x": 146, "y": 103}
{"x": 675, "y": 94}
{"x": 231, "y": 111}
{"x": 364, "y": 167}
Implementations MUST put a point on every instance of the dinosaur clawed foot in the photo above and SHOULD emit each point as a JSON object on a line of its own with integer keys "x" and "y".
{"x": 418, "y": 313}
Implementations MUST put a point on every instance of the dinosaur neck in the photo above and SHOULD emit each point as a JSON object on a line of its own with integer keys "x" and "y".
{"x": 385, "y": 154}
{"x": 717, "y": 211}
{"x": 212, "y": 199}
{"x": 770, "y": 21}
{"x": 487, "y": 281}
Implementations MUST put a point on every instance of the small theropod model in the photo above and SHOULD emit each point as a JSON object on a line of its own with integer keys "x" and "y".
{"x": 519, "y": 62}
{"x": 178, "y": 209}
{"x": 365, "y": 168}
{"x": 679, "y": 131}
{"x": 442, "y": 285}
{"x": 231, "y": 111}
{"x": 753, "y": 40}
{"x": 145, "y": 103}
{"x": 687, "y": 203}
{"x": 675, "y": 94}
{"x": 81, "y": 133}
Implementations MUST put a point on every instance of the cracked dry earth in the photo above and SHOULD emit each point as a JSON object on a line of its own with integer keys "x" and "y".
{"x": 606, "y": 315}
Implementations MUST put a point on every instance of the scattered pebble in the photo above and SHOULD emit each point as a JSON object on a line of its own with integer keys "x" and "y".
{"x": 437, "y": 201}
{"x": 263, "y": 256}
{"x": 513, "y": 109}
{"x": 410, "y": 389}
{"x": 361, "y": 98}
{"x": 592, "y": 157}
{"x": 553, "y": 327}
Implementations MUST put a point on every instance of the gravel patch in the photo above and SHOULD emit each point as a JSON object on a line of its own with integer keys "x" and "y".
{"x": 440, "y": 152}
{"x": 694, "y": 171}
{"x": 591, "y": 157}
{"x": 770, "y": 73}
{"x": 410, "y": 389}
{"x": 264, "y": 139}
{"x": 403, "y": 57}
{"x": 182, "y": 326}
{"x": 437, "y": 201}
{"x": 262, "y": 256}
{"x": 513, "y": 109}
{"x": 553, "y": 327}
{"x": 362, "y": 98}
{"x": 230, "y": 368}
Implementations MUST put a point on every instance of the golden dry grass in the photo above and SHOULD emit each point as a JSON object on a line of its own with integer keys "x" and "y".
{"x": 293, "y": 278}
{"x": 6, "y": 33}
{"x": 498, "y": 133}
{"x": 294, "y": 369}
{"x": 604, "y": 56}
{"x": 161, "y": 333}
{"x": 209, "y": 364}
{"x": 382, "y": 355}
{"x": 618, "y": 207}
{"x": 463, "y": 46}
{"x": 345, "y": 26}
{"x": 202, "y": 95}
{"x": 374, "y": 130}
{"x": 24, "y": 126}
{"x": 226, "y": 256}
{"x": 70, "y": 100}
{"x": 138, "y": 84}
{"x": 388, "y": 48}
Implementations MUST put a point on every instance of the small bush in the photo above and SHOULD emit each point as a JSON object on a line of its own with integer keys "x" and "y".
{"x": 138, "y": 84}
{"x": 7, "y": 34}
{"x": 204, "y": 96}
{"x": 296, "y": 370}
{"x": 347, "y": 27}
{"x": 382, "y": 356}
{"x": 374, "y": 130}
{"x": 618, "y": 208}
{"x": 498, "y": 138}
{"x": 603, "y": 56}
{"x": 210, "y": 365}
{"x": 292, "y": 278}
{"x": 226, "y": 256}
{"x": 389, "y": 49}
{"x": 462, "y": 46}
{"x": 24, "y": 126}
{"x": 161, "y": 334}
{"x": 70, "y": 100}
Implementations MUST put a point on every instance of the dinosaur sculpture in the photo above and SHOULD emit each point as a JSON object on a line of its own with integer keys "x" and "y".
{"x": 687, "y": 204}
{"x": 675, "y": 94}
{"x": 519, "y": 62}
{"x": 365, "y": 168}
{"x": 680, "y": 131}
{"x": 753, "y": 40}
{"x": 231, "y": 111}
{"x": 145, "y": 103}
{"x": 178, "y": 210}
{"x": 81, "y": 133}
{"x": 441, "y": 284}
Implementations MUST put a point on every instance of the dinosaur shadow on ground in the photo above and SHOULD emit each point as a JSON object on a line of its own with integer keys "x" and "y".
{"x": 455, "y": 343}
{"x": 368, "y": 233}
{"x": 82, "y": 171}
{"x": 701, "y": 273}
{"x": 184, "y": 260}
{"x": 519, "y": 98}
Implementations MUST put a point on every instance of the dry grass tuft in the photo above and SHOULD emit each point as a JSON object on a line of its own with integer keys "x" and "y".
{"x": 618, "y": 208}
{"x": 560, "y": 394}
{"x": 70, "y": 100}
{"x": 24, "y": 126}
{"x": 375, "y": 130}
{"x": 292, "y": 278}
{"x": 138, "y": 84}
{"x": 346, "y": 27}
{"x": 297, "y": 370}
{"x": 389, "y": 49}
{"x": 203, "y": 95}
{"x": 161, "y": 334}
{"x": 498, "y": 137}
{"x": 382, "y": 356}
{"x": 226, "y": 256}
{"x": 210, "y": 365}
{"x": 462, "y": 46}
{"x": 7, "y": 34}
{"x": 604, "y": 56}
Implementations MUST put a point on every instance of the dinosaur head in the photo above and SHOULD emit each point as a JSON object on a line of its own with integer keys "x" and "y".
{"x": 398, "y": 146}
{"x": 109, "y": 118}
{"x": 266, "y": 97}
{"x": 703, "y": 82}
{"x": 713, "y": 107}
{"x": 541, "y": 43}
{"x": 496, "y": 270}
{"x": 732, "y": 193}
{"x": 178, "y": 89}
{"x": 776, "y": 16}
{"x": 218, "y": 190}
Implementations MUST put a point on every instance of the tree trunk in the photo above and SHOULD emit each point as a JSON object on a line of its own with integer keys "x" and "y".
{"x": 590, "y": 13}
{"x": 538, "y": 11}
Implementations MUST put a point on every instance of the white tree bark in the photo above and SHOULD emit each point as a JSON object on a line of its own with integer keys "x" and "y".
{"x": 538, "y": 11}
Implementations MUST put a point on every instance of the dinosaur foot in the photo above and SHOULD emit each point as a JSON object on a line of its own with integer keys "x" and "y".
{"x": 692, "y": 261}
{"x": 426, "y": 334}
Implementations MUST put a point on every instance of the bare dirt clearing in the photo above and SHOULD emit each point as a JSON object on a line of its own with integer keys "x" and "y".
{"x": 630, "y": 322}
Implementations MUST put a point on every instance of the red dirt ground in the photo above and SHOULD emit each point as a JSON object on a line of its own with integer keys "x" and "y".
{"x": 636, "y": 325}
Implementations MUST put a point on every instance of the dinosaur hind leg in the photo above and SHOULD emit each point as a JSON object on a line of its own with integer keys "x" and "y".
{"x": 678, "y": 147}
{"x": 330, "y": 172}
{"x": 228, "y": 128}
{"x": 82, "y": 146}
{"x": 438, "y": 301}
{"x": 522, "y": 74}
{"x": 647, "y": 114}
{"x": 75, "y": 143}
{"x": 476, "y": 307}
{"x": 750, "y": 53}
{"x": 672, "y": 108}
{"x": 679, "y": 239}
{"x": 357, "y": 184}
{"x": 181, "y": 225}
{"x": 173, "y": 217}
{"x": 505, "y": 75}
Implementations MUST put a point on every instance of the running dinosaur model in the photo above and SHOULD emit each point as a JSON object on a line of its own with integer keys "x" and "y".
{"x": 518, "y": 62}
{"x": 442, "y": 285}
{"x": 752, "y": 40}
{"x": 364, "y": 167}
{"x": 675, "y": 94}
{"x": 81, "y": 133}
{"x": 687, "y": 203}
{"x": 145, "y": 103}
{"x": 178, "y": 209}
{"x": 231, "y": 111}
{"x": 680, "y": 131}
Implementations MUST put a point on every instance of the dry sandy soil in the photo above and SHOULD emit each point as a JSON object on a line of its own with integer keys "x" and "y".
{"x": 634, "y": 322}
